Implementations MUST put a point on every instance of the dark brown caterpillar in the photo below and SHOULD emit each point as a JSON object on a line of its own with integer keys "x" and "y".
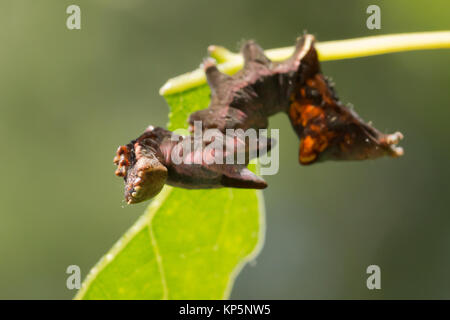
{"x": 328, "y": 130}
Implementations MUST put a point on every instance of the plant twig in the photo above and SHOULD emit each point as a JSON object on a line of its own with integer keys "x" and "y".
{"x": 330, "y": 50}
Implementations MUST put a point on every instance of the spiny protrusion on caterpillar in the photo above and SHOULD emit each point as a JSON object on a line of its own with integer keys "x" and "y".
{"x": 122, "y": 161}
{"x": 147, "y": 163}
{"x": 327, "y": 129}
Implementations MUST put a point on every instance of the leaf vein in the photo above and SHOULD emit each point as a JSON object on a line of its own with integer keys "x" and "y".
{"x": 159, "y": 262}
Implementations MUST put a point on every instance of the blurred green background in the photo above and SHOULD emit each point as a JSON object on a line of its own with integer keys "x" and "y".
{"x": 69, "y": 98}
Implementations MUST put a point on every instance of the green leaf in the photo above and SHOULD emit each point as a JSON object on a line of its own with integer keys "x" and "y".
{"x": 189, "y": 244}
{"x": 184, "y": 103}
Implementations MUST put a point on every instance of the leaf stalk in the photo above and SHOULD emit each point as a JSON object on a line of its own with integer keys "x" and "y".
{"x": 230, "y": 62}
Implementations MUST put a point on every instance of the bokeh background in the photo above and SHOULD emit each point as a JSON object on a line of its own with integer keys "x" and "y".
{"x": 69, "y": 98}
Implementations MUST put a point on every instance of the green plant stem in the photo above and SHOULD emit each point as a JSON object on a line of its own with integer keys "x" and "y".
{"x": 330, "y": 50}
